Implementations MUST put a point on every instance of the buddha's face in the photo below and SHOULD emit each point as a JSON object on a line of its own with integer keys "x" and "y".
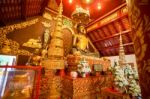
{"x": 82, "y": 29}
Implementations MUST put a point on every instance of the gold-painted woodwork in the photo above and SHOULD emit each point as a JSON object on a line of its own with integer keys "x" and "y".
{"x": 56, "y": 47}
{"x": 13, "y": 44}
{"x": 140, "y": 24}
{"x": 84, "y": 88}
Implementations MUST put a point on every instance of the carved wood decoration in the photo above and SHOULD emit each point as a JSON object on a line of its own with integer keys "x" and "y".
{"x": 67, "y": 37}
{"x": 13, "y": 44}
{"x": 84, "y": 88}
{"x": 50, "y": 85}
{"x": 67, "y": 29}
{"x": 140, "y": 21}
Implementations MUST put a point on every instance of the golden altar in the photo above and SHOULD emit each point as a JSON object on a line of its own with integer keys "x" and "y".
{"x": 84, "y": 88}
{"x": 80, "y": 88}
{"x": 73, "y": 61}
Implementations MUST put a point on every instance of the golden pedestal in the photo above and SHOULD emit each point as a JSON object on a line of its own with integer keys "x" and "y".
{"x": 54, "y": 89}
{"x": 53, "y": 64}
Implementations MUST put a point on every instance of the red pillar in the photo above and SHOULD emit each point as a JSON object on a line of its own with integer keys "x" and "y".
{"x": 140, "y": 24}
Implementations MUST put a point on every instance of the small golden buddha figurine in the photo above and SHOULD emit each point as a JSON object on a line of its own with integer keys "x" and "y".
{"x": 35, "y": 59}
{"x": 6, "y": 47}
{"x": 46, "y": 38}
{"x": 45, "y": 42}
{"x": 81, "y": 41}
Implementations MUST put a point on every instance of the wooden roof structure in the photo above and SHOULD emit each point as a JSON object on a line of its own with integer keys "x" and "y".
{"x": 104, "y": 32}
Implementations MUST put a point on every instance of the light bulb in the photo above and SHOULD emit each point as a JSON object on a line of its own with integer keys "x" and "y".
{"x": 87, "y": 1}
{"x": 99, "y": 6}
{"x": 70, "y": 1}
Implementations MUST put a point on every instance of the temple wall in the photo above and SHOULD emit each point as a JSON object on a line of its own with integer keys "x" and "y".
{"x": 140, "y": 24}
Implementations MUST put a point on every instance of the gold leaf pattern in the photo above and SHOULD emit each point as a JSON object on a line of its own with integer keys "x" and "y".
{"x": 13, "y": 44}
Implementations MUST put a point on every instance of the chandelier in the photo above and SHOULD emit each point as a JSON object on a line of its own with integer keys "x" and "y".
{"x": 81, "y": 15}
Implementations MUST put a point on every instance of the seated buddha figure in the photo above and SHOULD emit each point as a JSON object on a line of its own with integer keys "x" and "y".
{"x": 81, "y": 42}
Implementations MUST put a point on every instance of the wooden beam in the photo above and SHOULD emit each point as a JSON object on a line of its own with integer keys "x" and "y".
{"x": 102, "y": 25}
{"x": 123, "y": 32}
{"x": 109, "y": 13}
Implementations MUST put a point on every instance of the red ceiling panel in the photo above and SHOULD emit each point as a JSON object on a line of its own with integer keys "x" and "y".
{"x": 16, "y": 10}
{"x": 99, "y": 36}
{"x": 91, "y": 36}
{"x": 111, "y": 28}
{"x": 10, "y": 10}
{"x": 100, "y": 32}
{"x": 106, "y": 31}
{"x": 118, "y": 26}
{"x": 125, "y": 21}
{"x": 98, "y": 45}
{"x": 95, "y": 35}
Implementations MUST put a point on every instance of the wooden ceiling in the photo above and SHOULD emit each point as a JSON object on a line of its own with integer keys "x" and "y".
{"x": 16, "y": 10}
{"x": 103, "y": 30}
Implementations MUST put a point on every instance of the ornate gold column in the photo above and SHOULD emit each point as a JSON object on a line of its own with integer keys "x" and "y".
{"x": 55, "y": 58}
{"x": 56, "y": 47}
{"x": 140, "y": 24}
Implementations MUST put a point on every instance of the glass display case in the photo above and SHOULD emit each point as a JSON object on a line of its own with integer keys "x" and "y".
{"x": 19, "y": 82}
{"x": 8, "y": 60}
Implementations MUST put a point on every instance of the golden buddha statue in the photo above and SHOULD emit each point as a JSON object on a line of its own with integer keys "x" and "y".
{"x": 81, "y": 42}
